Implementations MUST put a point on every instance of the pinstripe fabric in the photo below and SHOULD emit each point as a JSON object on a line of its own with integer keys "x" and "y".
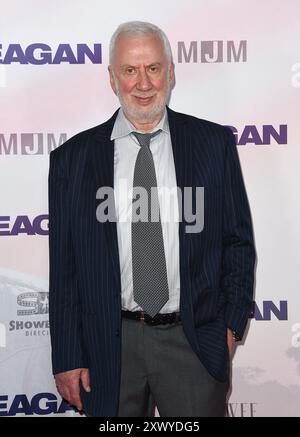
{"x": 216, "y": 265}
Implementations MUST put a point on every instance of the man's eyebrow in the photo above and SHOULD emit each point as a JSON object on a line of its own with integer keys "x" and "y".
{"x": 153, "y": 63}
{"x": 134, "y": 66}
{"x": 124, "y": 66}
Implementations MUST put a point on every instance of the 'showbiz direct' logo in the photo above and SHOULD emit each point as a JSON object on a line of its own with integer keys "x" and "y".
{"x": 242, "y": 409}
{"x": 37, "y": 302}
{"x": 2, "y": 335}
{"x": 40, "y": 54}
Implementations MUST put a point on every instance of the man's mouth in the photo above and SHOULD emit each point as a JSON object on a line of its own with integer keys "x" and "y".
{"x": 144, "y": 100}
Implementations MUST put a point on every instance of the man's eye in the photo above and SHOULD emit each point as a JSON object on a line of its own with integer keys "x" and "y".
{"x": 130, "y": 70}
{"x": 153, "y": 69}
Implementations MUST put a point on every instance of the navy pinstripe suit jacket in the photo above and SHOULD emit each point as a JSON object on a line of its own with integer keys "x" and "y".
{"x": 216, "y": 265}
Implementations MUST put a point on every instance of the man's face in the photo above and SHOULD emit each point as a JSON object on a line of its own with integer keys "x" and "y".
{"x": 141, "y": 76}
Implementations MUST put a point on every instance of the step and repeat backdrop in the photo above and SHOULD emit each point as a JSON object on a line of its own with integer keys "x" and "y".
{"x": 238, "y": 64}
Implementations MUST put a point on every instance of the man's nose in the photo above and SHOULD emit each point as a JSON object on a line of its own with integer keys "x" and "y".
{"x": 143, "y": 82}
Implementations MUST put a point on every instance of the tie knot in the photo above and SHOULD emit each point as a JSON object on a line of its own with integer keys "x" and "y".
{"x": 144, "y": 139}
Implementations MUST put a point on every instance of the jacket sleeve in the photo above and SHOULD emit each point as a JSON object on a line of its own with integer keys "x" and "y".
{"x": 64, "y": 303}
{"x": 238, "y": 257}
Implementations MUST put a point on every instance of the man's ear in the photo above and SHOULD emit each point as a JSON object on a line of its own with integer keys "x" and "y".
{"x": 172, "y": 75}
{"x": 112, "y": 80}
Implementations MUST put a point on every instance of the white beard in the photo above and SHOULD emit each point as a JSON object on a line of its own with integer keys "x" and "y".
{"x": 135, "y": 114}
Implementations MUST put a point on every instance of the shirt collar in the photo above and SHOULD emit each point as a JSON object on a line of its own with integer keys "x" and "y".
{"x": 123, "y": 127}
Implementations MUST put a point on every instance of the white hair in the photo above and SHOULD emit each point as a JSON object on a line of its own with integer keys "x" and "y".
{"x": 134, "y": 28}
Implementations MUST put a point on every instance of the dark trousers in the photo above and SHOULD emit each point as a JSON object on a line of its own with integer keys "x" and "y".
{"x": 159, "y": 368}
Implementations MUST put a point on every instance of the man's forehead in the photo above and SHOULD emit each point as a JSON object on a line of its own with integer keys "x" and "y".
{"x": 135, "y": 50}
{"x": 137, "y": 40}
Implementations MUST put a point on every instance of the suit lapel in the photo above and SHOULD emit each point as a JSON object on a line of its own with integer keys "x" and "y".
{"x": 182, "y": 148}
{"x": 102, "y": 161}
{"x": 181, "y": 138}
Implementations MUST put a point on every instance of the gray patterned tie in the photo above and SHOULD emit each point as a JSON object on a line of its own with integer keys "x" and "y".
{"x": 149, "y": 272}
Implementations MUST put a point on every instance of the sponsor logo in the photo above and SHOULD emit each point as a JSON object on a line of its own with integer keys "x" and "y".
{"x": 3, "y": 82}
{"x": 211, "y": 51}
{"x": 296, "y": 337}
{"x": 267, "y": 309}
{"x": 41, "y": 404}
{"x": 36, "y": 301}
{"x": 260, "y": 136}
{"x": 40, "y": 54}
{"x": 26, "y": 311}
{"x": 24, "y": 225}
{"x": 295, "y": 80}
{"x": 2, "y": 335}
{"x": 242, "y": 409}
{"x": 36, "y": 328}
{"x": 34, "y": 143}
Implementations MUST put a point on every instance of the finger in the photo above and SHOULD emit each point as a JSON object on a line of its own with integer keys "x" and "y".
{"x": 85, "y": 379}
{"x": 77, "y": 403}
{"x": 75, "y": 399}
{"x": 75, "y": 394}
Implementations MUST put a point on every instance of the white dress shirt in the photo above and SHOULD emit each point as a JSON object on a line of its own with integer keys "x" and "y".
{"x": 126, "y": 148}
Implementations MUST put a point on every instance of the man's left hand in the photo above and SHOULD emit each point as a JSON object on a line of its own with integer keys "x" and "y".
{"x": 230, "y": 342}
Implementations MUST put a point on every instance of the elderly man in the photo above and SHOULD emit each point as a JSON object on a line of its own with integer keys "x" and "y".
{"x": 145, "y": 311}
